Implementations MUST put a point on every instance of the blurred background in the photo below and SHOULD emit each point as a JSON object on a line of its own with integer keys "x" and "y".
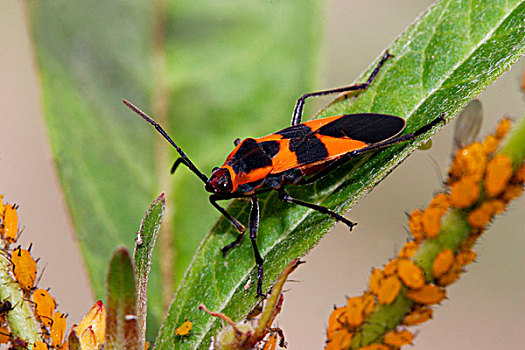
{"x": 486, "y": 308}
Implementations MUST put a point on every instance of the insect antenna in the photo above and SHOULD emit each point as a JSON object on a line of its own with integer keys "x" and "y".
{"x": 183, "y": 155}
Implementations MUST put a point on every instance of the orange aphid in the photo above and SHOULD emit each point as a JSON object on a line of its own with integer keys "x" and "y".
{"x": 45, "y": 306}
{"x": 480, "y": 217}
{"x": 336, "y": 320}
{"x": 40, "y": 345}
{"x": 490, "y": 144}
{"x": 464, "y": 193}
{"x": 520, "y": 174}
{"x": 24, "y": 267}
{"x": 499, "y": 172}
{"x": 442, "y": 263}
{"x": 451, "y": 275}
{"x": 512, "y": 191}
{"x": 469, "y": 161}
{"x": 389, "y": 290}
{"x": 369, "y": 302}
{"x": 419, "y": 315}
{"x": 469, "y": 242}
{"x": 398, "y": 339}
{"x": 58, "y": 329}
{"x": 184, "y": 328}
{"x": 375, "y": 346}
{"x": 5, "y": 335}
{"x": 465, "y": 257}
{"x": 503, "y": 128}
{"x": 340, "y": 339}
{"x": 440, "y": 201}
{"x": 354, "y": 311}
{"x": 10, "y": 221}
{"x": 408, "y": 249}
{"x": 415, "y": 225}
{"x": 376, "y": 278}
{"x": 390, "y": 268}
{"x": 496, "y": 206}
{"x": 431, "y": 220}
{"x": 411, "y": 274}
{"x": 429, "y": 294}
{"x": 271, "y": 343}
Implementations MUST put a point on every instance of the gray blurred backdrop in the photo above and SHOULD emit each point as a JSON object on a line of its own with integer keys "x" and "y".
{"x": 486, "y": 308}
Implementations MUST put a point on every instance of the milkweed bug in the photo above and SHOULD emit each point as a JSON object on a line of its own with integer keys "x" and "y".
{"x": 299, "y": 154}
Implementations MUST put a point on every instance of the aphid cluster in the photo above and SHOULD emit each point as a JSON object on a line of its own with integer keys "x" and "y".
{"x": 480, "y": 185}
{"x": 52, "y": 323}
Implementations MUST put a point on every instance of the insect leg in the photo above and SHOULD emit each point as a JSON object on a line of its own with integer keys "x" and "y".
{"x": 253, "y": 228}
{"x": 299, "y": 105}
{"x": 285, "y": 197}
{"x": 240, "y": 227}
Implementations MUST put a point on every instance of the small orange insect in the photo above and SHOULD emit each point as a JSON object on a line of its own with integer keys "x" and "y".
{"x": 398, "y": 339}
{"x": 429, "y": 294}
{"x": 419, "y": 315}
{"x": 10, "y": 223}
{"x": 464, "y": 193}
{"x": 375, "y": 346}
{"x": 408, "y": 249}
{"x": 40, "y": 345}
{"x": 442, "y": 263}
{"x": 184, "y": 329}
{"x": 415, "y": 225}
{"x": 24, "y": 267}
{"x": 466, "y": 257}
{"x": 389, "y": 290}
{"x": 354, "y": 311}
{"x": 411, "y": 274}
{"x": 376, "y": 278}
{"x": 58, "y": 329}
{"x": 45, "y": 306}
{"x": 271, "y": 343}
{"x": 499, "y": 172}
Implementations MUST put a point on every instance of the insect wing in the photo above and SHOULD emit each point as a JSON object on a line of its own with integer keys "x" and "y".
{"x": 326, "y": 139}
{"x": 468, "y": 124}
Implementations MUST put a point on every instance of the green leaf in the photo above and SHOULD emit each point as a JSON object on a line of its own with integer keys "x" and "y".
{"x": 447, "y": 57}
{"x": 144, "y": 244}
{"x": 122, "y": 330}
{"x": 221, "y": 69}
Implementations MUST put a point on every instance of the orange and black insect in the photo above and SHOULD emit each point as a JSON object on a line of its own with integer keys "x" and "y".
{"x": 299, "y": 154}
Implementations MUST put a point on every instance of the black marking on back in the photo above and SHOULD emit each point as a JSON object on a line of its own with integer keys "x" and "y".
{"x": 271, "y": 148}
{"x": 295, "y": 131}
{"x": 308, "y": 150}
{"x": 366, "y": 127}
{"x": 249, "y": 157}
